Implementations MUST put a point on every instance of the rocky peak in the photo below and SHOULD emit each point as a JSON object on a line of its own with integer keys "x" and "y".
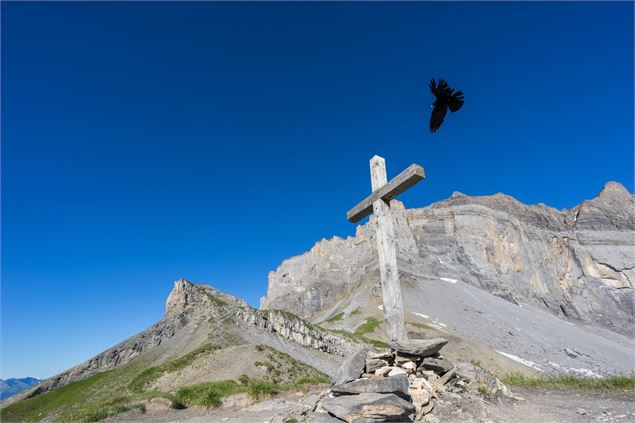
{"x": 614, "y": 188}
{"x": 180, "y": 297}
{"x": 188, "y": 296}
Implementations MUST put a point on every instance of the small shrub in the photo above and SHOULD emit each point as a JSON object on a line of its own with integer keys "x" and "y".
{"x": 243, "y": 379}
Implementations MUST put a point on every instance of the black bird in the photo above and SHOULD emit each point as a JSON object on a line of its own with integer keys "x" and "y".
{"x": 446, "y": 98}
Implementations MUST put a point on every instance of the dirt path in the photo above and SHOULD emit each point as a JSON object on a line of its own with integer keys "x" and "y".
{"x": 540, "y": 406}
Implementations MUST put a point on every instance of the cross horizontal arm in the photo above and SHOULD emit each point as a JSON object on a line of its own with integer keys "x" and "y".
{"x": 413, "y": 174}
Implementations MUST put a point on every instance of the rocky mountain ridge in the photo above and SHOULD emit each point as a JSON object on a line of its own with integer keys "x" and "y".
{"x": 578, "y": 264}
{"x": 186, "y": 325}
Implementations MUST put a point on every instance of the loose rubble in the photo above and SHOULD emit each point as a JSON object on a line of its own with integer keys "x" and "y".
{"x": 400, "y": 384}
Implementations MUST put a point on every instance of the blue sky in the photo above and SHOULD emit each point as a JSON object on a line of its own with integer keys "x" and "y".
{"x": 144, "y": 142}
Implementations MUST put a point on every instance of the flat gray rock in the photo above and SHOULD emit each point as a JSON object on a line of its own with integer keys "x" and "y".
{"x": 420, "y": 347}
{"x": 351, "y": 368}
{"x": 322, "y": 418}
{"x": 373, "y": 364}
{"x": 364, "y": 408}
{"x": 437, "y": 365}
{"x": 397, "y": 385}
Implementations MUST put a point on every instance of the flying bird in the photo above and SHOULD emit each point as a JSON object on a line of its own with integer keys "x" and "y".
{"x": 445, "y": 98}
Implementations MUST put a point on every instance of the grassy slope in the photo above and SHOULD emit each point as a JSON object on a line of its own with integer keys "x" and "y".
{"x": 124, "y": 388}
{"x": 570, "y": 382}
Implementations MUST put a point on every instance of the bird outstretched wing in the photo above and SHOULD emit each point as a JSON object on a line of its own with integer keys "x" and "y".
{"x": 437, "y": 116}
{"x": 455, "y": 101}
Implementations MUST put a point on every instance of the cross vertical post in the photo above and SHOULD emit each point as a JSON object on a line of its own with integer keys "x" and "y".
{"x": 379, "y": 204}
{"x": 389, "y": 274}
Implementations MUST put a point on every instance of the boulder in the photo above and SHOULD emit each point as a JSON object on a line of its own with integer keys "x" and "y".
{"x": 382, "y": 354}
{"x": 321, "y": 418}
{"x": 420, "y": 397}
{"x": 383, "y": 371}
{"x": 397, "y": 371}
{"x": 409, "y": 365}
{"x": 373, "y": 364}
{"x": 369, "y": 407}
{"x": 437, "y": 365}
{"x": 351, "y": 368}
{"x": 420, "y": 347}
{"x": 397, "y": 385}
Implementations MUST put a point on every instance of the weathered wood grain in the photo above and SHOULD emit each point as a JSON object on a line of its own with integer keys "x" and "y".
{"x": 390, "y": 285}
{"x": 413, "y": 174}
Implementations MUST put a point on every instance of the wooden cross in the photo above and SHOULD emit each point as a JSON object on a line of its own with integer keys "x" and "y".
{"x": 379, "y": 203}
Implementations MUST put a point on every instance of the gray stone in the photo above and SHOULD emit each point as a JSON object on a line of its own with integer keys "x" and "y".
{"x": 397, "y": 371}
{"x": 351, "y": 368}
{"x": 437, "y": 365}
{"x": 383, "y": 371}
{"x": 369, "y": 407}
{"x": 478, "y": 379}
{"x": 321, "y": 418}
{"x": 420, "y": 347}
{"x": 373, "y": 364}
{"x": 397, "y": 385}
{"x": 382, "y": 354}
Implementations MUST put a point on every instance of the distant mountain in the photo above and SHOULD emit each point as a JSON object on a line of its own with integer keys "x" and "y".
{"x": 12, "y": 386}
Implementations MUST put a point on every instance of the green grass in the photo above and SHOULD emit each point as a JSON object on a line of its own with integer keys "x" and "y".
{"x": 377, "y": 343}
{"x": 570, "y": 382}
{"x": 207, "y": 394}
{"x": 36, "y": 408}
{"x": 312, "y": 380}
{"x": 216, "y": 300}
{"x": 259, "y": 389}
{"x": 336, "y": 318}
{"x": 145, "y": 378}
{"x": 107, "y": 409}
{"x": 125, "y": 388}
{"x": 356, "y": 311}
{"x": 368, "y": 326}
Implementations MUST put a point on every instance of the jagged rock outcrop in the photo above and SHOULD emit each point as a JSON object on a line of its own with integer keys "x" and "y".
{"x": 578, "y": 263}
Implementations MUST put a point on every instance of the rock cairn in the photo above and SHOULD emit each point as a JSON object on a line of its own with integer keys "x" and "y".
{"x": 398, "y": 384}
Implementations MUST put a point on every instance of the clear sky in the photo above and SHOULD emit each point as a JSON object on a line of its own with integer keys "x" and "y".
{"x": 144, "y": 142}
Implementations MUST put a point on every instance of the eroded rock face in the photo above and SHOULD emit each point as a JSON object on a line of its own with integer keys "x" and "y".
{"x": 577, "y": 263}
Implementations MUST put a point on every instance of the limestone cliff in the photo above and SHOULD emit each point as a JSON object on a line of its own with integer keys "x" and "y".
{"x": 578, "y": 264}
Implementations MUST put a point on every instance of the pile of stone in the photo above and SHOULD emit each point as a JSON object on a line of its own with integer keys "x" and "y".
{"x": 398, "y": 384}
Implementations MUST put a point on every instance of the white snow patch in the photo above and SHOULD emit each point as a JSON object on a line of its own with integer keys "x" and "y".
{"x": 421, "y": 315}
{"x": 552, "y": 364}
{"x": 381, "y": 307}
{"x": 522, "y": 361}
{"x": 439, "y": 323}
{"x": 440, "y": 261}
{"x": 449, "y": 280}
